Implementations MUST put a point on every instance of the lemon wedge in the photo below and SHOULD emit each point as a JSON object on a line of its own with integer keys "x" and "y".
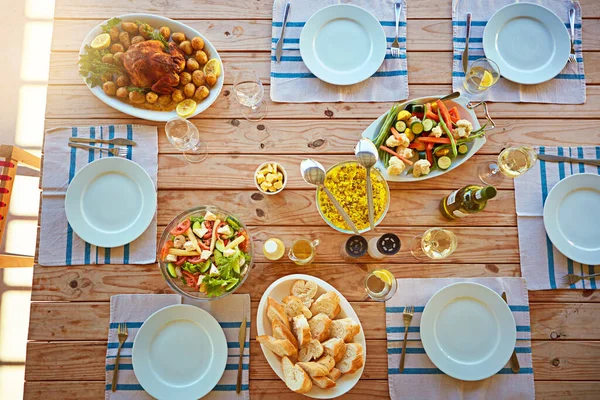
{"x": 213, "y": 66}
{"x": 186, "y": 108}
{"x": 487, "y": 80}
{"x": 385, "y": 276}
{"x": 101, "y": 41}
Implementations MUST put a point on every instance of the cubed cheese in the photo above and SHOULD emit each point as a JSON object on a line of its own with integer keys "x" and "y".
{"x": 209, "y": 216}
{"x": 229, "y": 252}
{"x": 189, "y": 246}
{"x": 205, "y": 254}
{"x": 213, "y": 270}
{"x": 171, "y": 258}
{"x": 224, "y": 230}
{"x": 201, "y": 232}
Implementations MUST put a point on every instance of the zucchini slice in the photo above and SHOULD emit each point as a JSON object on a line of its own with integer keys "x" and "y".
{"x": 428, "y": 125}
{"x": 171, "y": 270}
{"x": 444, "y": 162}
{"x": 417, "y": 127}
{"x": 463, "y": 149}
{"x": 400, "y": 126}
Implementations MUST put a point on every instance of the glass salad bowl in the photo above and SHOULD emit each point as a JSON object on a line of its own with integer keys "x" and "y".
{"x": 193, "y": 269}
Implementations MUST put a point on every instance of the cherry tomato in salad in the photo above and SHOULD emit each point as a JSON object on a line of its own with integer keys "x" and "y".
{"x": 203, "y": 245}
{"x": 207, "y": 235}
{"x": 181, "y": 228}
{"x": 190, "y": 279}
{"x": 165, "y": 250}
{"x": 244, "y": 245}
{"x": 180, "y": 260}
{"x": 195, "y": 260}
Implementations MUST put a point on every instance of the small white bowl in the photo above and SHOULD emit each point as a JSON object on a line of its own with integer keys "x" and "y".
{"x": 280, "y": 167}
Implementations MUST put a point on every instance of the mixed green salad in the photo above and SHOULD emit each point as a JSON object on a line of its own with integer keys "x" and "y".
{"x": 209, "y": 253}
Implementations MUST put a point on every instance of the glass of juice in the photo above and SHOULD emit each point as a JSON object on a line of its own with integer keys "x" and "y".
{"x": 380, "y": 284}
{"x": 302, "y": 251}
{"x": 435, "y": 243}
{"x": 482, "y": 75}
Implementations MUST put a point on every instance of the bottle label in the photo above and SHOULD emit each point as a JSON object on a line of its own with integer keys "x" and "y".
{"x": 478, "y": 195}
{"x": 451, "y": 198}
{"x": 459, "y": 214}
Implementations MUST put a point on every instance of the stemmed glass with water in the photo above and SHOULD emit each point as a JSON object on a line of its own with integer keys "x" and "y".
{"x": 185, "y": 137}
{"x": 249, "y": 92}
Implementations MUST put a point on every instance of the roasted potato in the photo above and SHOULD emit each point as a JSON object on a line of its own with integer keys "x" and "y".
{"x": 192, "y": 64}
{"x": 211, "y": 79}
{"x": 122, "y": 80}
{"x": 124, "y": 40}
{"x": 145, "y": 30}
{"x": 189, "y": 90}
{"x": 151, "y": 97}
{"x": 185, "y": 78}
{"x": 165, "y": 32}
{"x": 108, "y": 58}
{"x": 178, "y": 37}
{"x": 177, "y": 96}
{"x": 198, "y": 78}
{"x": 164, "y": 99}
{"x": 137, "y": 97}
{"x": 109, "y": 88}
{"x": 114, "y": 34}
{"x": 122, "y": 92}
{"x": 201, "y": 57}
{"x": 117, "y": 57}
{"x": 137, "y": 39}
{"x": 117, "y": 47}
{"x": 201, "y": 93}
{"x": 129, "y": 27}
{"x": 198, "y": 43}
{"x": 186, "y": 47}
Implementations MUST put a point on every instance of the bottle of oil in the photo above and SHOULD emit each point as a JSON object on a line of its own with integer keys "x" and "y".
{"x": 468, "y": 200}
{"x": 273, "y": 249}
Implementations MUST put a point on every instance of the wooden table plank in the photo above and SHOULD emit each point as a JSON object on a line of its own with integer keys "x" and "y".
{"x": 565, "y": 321}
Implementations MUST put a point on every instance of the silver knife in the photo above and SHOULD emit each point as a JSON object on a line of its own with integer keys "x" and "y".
{"x": 465, "y": 55}
{"x": 514, "y": 361}
{"x": 117, "y": 141}
{"x": 279, "y": 46}
{"x": 549, "y": 157}
{"x": 242, "y": 339}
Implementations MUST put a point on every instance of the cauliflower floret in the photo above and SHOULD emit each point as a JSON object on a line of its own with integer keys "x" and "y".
{"x": 466, "y": 125}
{"x": 437, "y": 131}
{"x": 393, "y": 142}
{"x": 396, "y": 166}
{"x": 405, "y": 152}
{"x": 189, "y": 246}
{"x": 421, "y": 167}
{"x": 460, "y": 132}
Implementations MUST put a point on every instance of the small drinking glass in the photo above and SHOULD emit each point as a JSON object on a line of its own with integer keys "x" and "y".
{"x": 302, "y": 251}
{"x": 435, "y": 243}
{"x": 380, "y": 285}
{"x": 482, "y": 75}
{"x": 249, "y": 92}
{"x": 512, "y": 163}
{"x": 185, "y": 137}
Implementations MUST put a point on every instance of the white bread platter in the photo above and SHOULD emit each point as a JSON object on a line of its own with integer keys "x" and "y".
{"x": 353, "y": 364}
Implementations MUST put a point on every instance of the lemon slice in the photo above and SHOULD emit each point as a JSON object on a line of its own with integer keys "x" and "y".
{"x": 487, "y": 80}
{"x": 101, "y": 41}
{"x": 385, "y": 276}
{"x": 186, "y": 108}
{"x": 213, "y": 66}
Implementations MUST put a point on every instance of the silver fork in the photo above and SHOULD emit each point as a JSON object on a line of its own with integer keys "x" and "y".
{"x": 572, "y": 57}
{"x": 115, "y": 151}
{"x": 395, "y": 47}
{"x": 573, "y": 279}
{"x": 407, "y": 317}
{"x": 122, "y": 333}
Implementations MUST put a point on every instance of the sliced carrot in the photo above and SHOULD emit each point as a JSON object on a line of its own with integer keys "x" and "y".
{"x": 392, "y": 152}
{"x": 430, "y": 114}
{"x": 395, "y": 133}
{"x": 428, "y": 152}
{"x": 454, "y": 112}
{"x": 419, "y": 146}
{"x": 445, "y": 115}
{"x": 433, "y": 140}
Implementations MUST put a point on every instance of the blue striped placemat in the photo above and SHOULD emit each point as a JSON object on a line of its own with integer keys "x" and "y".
{"x": 59, "y": 245}
{"x": 542, "y": 264}
{"x": 421, "y": 378}
{"x": 135, "y": 309}
{"x": 292, "y": 82}
{"x": 568, "y": 87}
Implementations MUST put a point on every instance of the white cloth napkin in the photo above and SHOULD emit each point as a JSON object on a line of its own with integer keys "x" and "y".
{"x": 541, "y": 263}
{"x": 566, "y": 88}
{"x": 421, "y": 379}
{"x": 292, "y": 82}
{"x": 134, "y": 309}
{"x": 59, "y": 245}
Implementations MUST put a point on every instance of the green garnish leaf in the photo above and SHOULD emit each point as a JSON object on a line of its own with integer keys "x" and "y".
{"x": 136, "y": 89}
{"x": 110, "y": 24}
{"x": 92, "y": 68}
{"x": 155, "y": 35}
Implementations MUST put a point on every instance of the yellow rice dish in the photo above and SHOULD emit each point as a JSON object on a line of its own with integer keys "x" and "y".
{"x": 347, "y": 182}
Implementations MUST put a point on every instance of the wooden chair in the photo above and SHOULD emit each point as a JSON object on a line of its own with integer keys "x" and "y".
{"x": 12, "y": 156}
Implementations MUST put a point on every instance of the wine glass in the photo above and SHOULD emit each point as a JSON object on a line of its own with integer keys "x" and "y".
{"x": 185, "y": 137}
{"x": 249, "y": 92}
{"x": 435, "y": 243}
{"x": 482, "y": 75}
{"x": 512, "y": 163}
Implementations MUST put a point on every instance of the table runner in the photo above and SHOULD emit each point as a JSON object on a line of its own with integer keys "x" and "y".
{"x": 59, "y": 245}
{"x": 541, "y": 263}
{"x": 134, "y": 309}
{"x": 292, "y": 82}
{"x": 566, "y": 88}
{"x": 421, "y": 379}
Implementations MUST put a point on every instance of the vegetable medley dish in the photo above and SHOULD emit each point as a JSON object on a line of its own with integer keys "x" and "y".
{"x": 149, "y": 67}
{"x": 423, "y": 137}
{"x": 347, "y": 183}
{"x": 209, "y": 253}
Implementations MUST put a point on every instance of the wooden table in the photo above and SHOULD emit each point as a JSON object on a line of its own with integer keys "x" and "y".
{"x": 70, "y": 309}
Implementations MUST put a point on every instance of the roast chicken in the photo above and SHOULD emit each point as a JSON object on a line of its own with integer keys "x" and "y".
{"x": 149, "y": 66}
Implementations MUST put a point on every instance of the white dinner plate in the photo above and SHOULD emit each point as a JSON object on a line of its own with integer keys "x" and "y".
{"x": 468, "y": 331}
{"x": 342, "y": 44}
{"x": 572, "y": 217}
{"x": 110, "y": 202}
{"x": 180, "y": 352}
{"x": 280, "y": 289}
{"x": 529, "y": 43}
{"x": 157, "y": 21}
